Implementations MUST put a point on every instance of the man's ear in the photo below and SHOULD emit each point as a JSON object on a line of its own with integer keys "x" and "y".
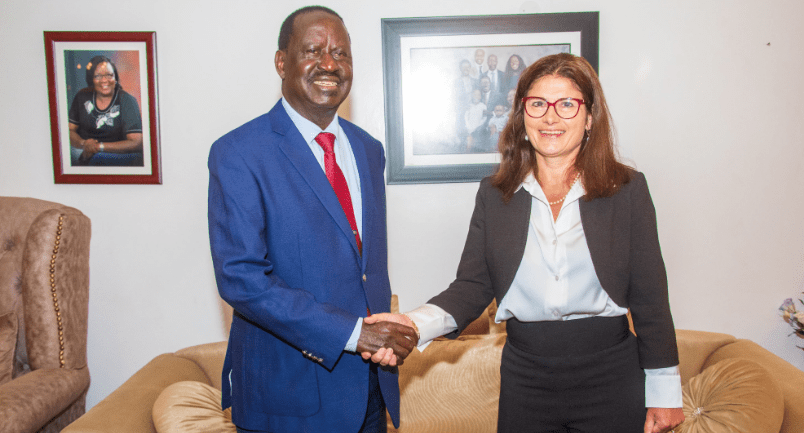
{"x": 279, "y": 63}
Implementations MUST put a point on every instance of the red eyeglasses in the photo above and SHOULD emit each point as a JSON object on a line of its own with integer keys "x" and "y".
{"x": 566, "y": 108}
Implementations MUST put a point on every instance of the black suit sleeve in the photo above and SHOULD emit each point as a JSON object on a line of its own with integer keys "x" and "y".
{"x": 647, "y": 286}
{"x": 472, "y": 291}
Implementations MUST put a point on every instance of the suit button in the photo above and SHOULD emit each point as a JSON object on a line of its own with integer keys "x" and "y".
{"x": 364, "y": 278}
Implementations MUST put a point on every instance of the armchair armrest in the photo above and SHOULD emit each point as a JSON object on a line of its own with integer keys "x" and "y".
{"x": 27, "y": 403}
{"x": 128, "y": 408}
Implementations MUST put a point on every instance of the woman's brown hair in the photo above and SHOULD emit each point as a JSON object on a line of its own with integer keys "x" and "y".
{"x": 601, "y": 173}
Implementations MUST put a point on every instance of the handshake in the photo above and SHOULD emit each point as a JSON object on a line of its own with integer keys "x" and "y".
{"x": 387, "y": 339}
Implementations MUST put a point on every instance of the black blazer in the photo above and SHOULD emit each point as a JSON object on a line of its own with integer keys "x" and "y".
{"x": 624, "y": 245}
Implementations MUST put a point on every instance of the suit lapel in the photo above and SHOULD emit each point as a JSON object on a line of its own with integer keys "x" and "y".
{"x": 302, "y": 158}
{"x": 596, "y": 217}
{"x": 514, "y": 236}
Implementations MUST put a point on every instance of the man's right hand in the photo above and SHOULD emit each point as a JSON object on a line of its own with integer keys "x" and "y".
{"x": 397, "y": 338}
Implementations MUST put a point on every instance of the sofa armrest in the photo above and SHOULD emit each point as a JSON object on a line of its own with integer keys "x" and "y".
{"x": 694, "y": 348}
{"x": 789, "y": 378}
{"x": 28, "y": 402}
{"x": 128, "y": 408}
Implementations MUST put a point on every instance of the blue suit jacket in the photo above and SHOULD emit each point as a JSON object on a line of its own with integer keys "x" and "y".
{"x": 286, "y": 260}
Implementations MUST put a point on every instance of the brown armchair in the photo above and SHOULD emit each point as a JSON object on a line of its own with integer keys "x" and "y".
{"x": 44, "y": 294}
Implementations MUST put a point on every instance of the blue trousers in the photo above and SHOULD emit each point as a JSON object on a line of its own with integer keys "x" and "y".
{"x": 374, "y": 421}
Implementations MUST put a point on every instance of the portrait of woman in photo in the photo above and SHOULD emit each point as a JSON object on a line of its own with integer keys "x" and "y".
{"x": 105, "y": 121}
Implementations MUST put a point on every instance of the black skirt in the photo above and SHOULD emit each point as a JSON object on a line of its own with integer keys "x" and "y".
{"x": 571, "y": 376}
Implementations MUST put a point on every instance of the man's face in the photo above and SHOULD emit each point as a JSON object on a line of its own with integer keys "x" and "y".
{"x": 480, "y": 55}
{"x": 492, "y": 62}
{"x": 316, "y": 68}
{"x": 485, "y": 84}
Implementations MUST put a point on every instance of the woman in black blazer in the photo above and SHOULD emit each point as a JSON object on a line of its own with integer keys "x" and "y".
{"x": 564, "y": 237}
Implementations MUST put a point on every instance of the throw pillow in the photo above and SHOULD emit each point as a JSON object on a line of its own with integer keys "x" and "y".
{"x": 191, "y": 406}
{"x": 8, "y": 342}
{"x": 734, "y": 396}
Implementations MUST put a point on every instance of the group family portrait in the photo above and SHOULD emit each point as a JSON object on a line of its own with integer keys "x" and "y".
{"x": 462, "y": 96}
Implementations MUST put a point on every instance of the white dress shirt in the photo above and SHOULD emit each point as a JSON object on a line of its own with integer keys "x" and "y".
{"x": 556, "y": 280}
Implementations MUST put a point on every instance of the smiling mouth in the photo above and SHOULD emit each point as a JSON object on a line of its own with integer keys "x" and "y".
{"x": 551, "y": 133}
{"x": 326, "y": 83}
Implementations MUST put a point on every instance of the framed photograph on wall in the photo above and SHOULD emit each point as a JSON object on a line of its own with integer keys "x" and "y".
{"x": 104, "y": 119}
{"x": 448, "y": 86}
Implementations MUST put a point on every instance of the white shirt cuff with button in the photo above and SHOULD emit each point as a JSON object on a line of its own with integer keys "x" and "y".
{"x": 432, "y": 322}
{"x": 663, "y": 387}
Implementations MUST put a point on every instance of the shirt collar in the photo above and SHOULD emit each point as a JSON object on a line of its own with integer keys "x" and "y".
{"x": 308, "y": 129}
{"x": 531, "y": 185}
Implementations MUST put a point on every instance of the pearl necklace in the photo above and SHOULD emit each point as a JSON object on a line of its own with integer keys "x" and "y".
{"x": 553, "y": 203}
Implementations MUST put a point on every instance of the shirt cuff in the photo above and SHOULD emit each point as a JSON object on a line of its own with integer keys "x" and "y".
{"x": 432, "y": 322}
{"x": 351, "y": 345}
{"x": 663, "y": 387}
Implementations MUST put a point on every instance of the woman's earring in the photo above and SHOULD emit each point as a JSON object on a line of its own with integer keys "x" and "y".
{"x": 526, "y": 137}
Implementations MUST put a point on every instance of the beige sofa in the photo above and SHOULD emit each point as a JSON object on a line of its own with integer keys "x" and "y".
{"x": 453, "y": 386}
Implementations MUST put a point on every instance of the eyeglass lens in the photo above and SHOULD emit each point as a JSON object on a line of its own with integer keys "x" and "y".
{"x": 101, "y": 76}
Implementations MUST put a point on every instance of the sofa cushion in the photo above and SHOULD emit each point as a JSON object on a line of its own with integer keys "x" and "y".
{"x": 8, "y": 342}
{"x": 732, "y": 396}
{"x": 454, "y": 385}
{"x": 787, "y": 377}
{"x": 191, "y": 406}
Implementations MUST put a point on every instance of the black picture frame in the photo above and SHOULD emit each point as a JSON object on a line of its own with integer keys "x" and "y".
{"x": 404, "y": 39}
{"x": 67, "y": 55}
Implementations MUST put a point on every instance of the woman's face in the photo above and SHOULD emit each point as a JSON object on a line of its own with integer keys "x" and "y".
{"x": 104, "y": 79}
{"x": 550, "y": 135}
{"x": 514, "y": 62}
{"x": 466, "y": 68}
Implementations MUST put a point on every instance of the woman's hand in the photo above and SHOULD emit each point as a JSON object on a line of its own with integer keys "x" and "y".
{"x": 132, "y": 143}
{"x": 91, "y": 147}
{"x": 662, "y": 420}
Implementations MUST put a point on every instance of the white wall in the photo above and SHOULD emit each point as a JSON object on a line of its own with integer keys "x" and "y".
{"x": 706, "y": 96}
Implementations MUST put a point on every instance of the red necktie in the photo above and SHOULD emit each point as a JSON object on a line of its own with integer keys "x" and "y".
{"x": 338, "y": 182}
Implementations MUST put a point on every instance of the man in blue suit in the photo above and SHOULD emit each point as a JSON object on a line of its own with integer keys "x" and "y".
{"x": 298, "y": 236}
